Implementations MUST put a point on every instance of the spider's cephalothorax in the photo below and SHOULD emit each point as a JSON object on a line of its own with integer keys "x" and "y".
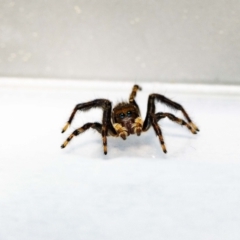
{"x": 125, "y": 118}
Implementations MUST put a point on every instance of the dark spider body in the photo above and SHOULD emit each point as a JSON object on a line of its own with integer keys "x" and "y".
{"x": 125, "y": 118}
{"x": 126, "y": 114}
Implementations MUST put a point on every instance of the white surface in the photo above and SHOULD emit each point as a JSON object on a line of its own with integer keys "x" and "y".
{"x": 193, "y": 41}
{"x": 136, "y": 191}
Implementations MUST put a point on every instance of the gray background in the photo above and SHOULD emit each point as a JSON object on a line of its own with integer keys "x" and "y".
{"x": 171, "y": 41}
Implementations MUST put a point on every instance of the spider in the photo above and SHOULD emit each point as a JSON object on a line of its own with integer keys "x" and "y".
{"x": 125, "y": 119}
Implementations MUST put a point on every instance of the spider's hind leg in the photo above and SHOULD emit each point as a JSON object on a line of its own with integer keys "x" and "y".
{"x": 134, "y": 92}
{"x": 180, "y": 121}
{"x": 133, "y": 95}
{"x": 138, "y": 123}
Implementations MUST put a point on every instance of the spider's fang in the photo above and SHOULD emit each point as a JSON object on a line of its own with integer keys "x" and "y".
{"x": 65, "y": 127}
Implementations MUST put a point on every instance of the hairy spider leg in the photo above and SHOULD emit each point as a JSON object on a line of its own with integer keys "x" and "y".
{"x": 180, "y": 121}
{"x": 106, "y": 105}
{"x": 169, "y": 103}
{"x": 138, "y": 121}
{"x": 97, "y": 126}
{"x": 133, "y": 95}
{"x": 82, "y": 129}
{"x": 152, "y": 118}
{"x": 158, "y": 131}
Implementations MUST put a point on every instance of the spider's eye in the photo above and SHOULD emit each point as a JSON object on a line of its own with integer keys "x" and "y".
{"x": 122, "y": 115}
{"x": 129, "y": 113}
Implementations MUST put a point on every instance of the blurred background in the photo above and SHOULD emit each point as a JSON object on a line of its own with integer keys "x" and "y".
{"x": 135, "y": 40}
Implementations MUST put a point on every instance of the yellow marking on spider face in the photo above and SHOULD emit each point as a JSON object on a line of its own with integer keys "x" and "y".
{"x": 65, "y": 127}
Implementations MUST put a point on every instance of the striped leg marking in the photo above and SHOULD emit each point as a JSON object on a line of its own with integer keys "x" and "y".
{"x": 104, "y": 139}
{"x": 158, "y": 131}
{"x": 160, "y": 98}
{"x": 65, "y": 127}
{"x": 134, "y": 92}
{"x": 177, "y": 120}
{"x": 78, "y": 131}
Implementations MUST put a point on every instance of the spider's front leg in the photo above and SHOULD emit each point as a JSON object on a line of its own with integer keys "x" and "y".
{"x": 106, "y": 126}
{"x": 169, "y": 103}
{"x": 173, "y": 118}
{"x": 85, "y": 107}
{"x": 158, "y": 131}
{"x": 82, "y": 129}
{"x": 152, "y": 118}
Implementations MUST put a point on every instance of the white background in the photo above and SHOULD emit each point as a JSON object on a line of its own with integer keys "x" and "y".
{"x": 136, "y": 191}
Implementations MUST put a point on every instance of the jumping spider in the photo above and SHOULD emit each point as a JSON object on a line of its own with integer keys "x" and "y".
{"x": 125, "y": 118}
